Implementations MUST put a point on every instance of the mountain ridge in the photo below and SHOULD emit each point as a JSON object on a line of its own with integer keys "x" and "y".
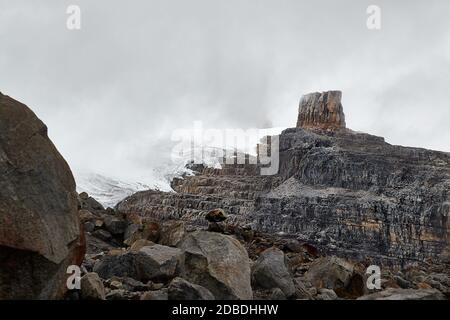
{"x": 402, "y": 186}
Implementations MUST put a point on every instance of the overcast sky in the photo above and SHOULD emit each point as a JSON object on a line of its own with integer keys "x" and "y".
{"x": 112, "y": 92}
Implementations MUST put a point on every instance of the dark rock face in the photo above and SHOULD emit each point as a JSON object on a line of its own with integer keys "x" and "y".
{"x": 321, "y": 111}
{"x": 348, "y": 193}
{"x": 360, "y": 196}
{"x": 39, "y": 226}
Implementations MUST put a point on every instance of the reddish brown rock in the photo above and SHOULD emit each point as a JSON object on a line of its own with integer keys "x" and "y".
{"x": 40, "y": 232}
{"x": 321, "y": 111}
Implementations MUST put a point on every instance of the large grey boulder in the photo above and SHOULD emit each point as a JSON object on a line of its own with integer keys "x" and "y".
{"x": 40, "y": 233}
{"x": 270, "y": 271}
{"x": 180, "y": 289}
{"x": 330, "y": 273}
{"x": 219, "y": 263}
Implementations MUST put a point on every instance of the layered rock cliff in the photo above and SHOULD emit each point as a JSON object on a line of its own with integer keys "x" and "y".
{"x": 347, "y": 192}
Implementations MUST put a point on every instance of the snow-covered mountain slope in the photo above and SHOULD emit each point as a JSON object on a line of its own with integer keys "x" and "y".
{"x": 109, "y": 189}
{"x": 106, "y": 190}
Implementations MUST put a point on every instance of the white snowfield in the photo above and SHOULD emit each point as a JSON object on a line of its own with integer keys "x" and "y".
{"x": 109, "y": 188}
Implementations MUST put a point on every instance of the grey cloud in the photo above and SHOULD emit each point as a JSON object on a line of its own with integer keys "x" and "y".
{"x": 112, "y": 92}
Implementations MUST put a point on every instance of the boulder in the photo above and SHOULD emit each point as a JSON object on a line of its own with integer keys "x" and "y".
{"x": 149, "y": 263}
{"x": 40, "y": 231}
{"x": 405, "y": 294}
{"x": 180, "y": 289}
{"x": 216, "y": 218}
{"x": 270, "y": 271}
{"x": 166, "y": 261}
{"x": 216, "y": 215}
{"x": 219, "y": 263}
{"x": 92, "y": 287}
{"x": 330, "y": 273}
{"x": 123, "y": 265}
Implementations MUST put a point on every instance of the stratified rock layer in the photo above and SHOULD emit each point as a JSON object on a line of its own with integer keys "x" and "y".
{"x": 39, "y": 228}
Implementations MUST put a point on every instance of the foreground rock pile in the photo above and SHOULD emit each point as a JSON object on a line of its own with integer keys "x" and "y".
{"x": 176, "y": 262}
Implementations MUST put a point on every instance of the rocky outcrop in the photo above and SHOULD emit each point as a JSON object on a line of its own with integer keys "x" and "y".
{"x": 40, "y": 234}
{"x": 358, "y": 196}
{"x": 321, "y": 111}
{"x": 348, "y": 193}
